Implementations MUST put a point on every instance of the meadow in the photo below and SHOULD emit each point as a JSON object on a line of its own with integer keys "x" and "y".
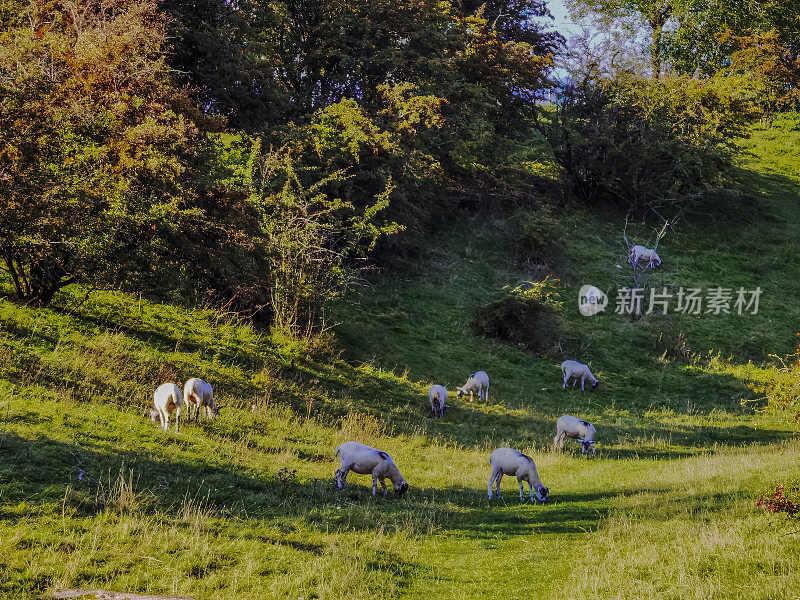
{"x": 92, "y": 495}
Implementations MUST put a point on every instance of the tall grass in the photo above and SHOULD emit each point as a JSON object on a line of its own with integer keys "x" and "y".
{"x": 93, "y": 495}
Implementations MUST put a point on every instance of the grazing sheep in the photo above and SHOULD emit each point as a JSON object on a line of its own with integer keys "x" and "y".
{"x": 506, "y": 461}
{"x": 572, "y": 369}
{"x": 363, "y": 460}
{"x": 641, "y": 252}
{"x": 477, "y": 382}
{"x": 199, "y": 394}
{"x": 568, "y": 426}
{"x": 437, "y": 394}
{"x": 167, "y": 399}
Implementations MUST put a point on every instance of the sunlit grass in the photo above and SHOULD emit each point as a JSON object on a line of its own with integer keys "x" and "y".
{"x": 93, "y": 495}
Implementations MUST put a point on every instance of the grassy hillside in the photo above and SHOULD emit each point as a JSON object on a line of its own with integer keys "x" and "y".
{"x": 92, "y": 495}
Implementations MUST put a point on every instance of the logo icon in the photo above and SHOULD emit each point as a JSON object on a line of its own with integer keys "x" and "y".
{"x": 591, "y": 301}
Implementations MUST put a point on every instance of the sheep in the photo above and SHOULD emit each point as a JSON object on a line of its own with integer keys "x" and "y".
{"x": 199, "y": 394}
{"x": 506, "y": 461}
{"x": 577, "y": 429}
{"x": 572, "y": 369}
{"x": 437, "y": 394}
{"x": 166, "y": 399}
{"x": 648, "y": 254}
{"x": 363, "y": 459}
{"x": 477, "y": 382}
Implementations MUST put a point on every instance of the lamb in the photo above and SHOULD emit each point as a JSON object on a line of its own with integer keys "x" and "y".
{"x": 437, "y": 394}
{"x": 572, "y": 369}
{"x": 648, "y": 254}
{"x": 506, "y": 461}
{"x": 199, "y": 394}
{"x": 577, "y": 429}
{"x": 363, "y": 459}
{"x": 477, "y": 382}
{"x": 167, "y": 399}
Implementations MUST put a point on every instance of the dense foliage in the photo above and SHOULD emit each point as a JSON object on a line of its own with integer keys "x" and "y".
{"x": 253, "y": 154}
{"x": 245, "y": 153}
{"x": 93, "y": 140}
{"x": 528, "y": 316}
{"x": 635, "y": 143}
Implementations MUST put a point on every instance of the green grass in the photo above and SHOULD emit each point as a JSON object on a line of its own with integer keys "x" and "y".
{"x": 92, "y": 495}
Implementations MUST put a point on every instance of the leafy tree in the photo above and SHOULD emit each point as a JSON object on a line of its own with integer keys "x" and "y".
{"x": 92, "y": 137}
{"x": 651, "y": 14}
{"x": 773, "y": 69}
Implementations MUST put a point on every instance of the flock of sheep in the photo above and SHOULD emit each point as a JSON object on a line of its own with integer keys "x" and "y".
{"x": 365, "y": 460}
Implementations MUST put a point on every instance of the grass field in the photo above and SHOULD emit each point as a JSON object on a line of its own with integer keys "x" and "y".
{"x": 94, "y": 496}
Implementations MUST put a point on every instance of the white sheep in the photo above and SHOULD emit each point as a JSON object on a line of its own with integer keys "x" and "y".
{"x": 477, "y": 382}
{"x": 437, "y": 394}
{"x": 506, "y": 461}
{"x": 568, "y": 426}
{"x": 572, "y": 369}
{"x": 363, "y": 459}
{"x": 642, "y": 252}
{"x": 167, "y": 399}
{"x": 199, "y": 394}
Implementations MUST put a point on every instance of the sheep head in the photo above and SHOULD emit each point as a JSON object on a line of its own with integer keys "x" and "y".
{"x": 595, "y": 384}
{"x": 541, "y": 493}
{"x": 460, "y": 392}
{"x": 401, "y": 490}
{"x": 588, "y": 445}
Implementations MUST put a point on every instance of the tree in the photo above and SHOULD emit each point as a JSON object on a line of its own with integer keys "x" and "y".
{"x": 772, "y": 66}
{"x": 651, "y": 14}
{"x": 93, "y": 138}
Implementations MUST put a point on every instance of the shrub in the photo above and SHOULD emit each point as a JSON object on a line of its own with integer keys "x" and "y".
{"x": 777, "y": 502}
{"x": 536, "y": 232}
{"x": 782, "y": 393}
{"x": 634, "y": 143}
{"x": 528, "y": 316}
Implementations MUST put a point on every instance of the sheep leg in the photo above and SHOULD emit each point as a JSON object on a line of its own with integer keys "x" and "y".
{"x": 341, "y": 477}
{"x": 582, "y": 378}
{"x": 492, "y": 476}
{"x": 498, "y": 479}
{"x": 374, "y": 483}
{"x": 177, "y": 417}
{"x": 522, "y": 490}
{"x": 559, "y": 438}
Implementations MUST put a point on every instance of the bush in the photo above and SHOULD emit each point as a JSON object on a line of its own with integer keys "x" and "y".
{"x": 777, "y": 502}
{"x": 634, "y": 143}
{"x": 529, "y": 316}
{"x": 782, "y": 393}
{"x": 536, "y": 233}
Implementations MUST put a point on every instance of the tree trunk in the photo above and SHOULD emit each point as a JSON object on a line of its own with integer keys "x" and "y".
{"x": 37, "y": 286}
{"x": 658, "y": 18}
{"x": 655, "y": 51}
